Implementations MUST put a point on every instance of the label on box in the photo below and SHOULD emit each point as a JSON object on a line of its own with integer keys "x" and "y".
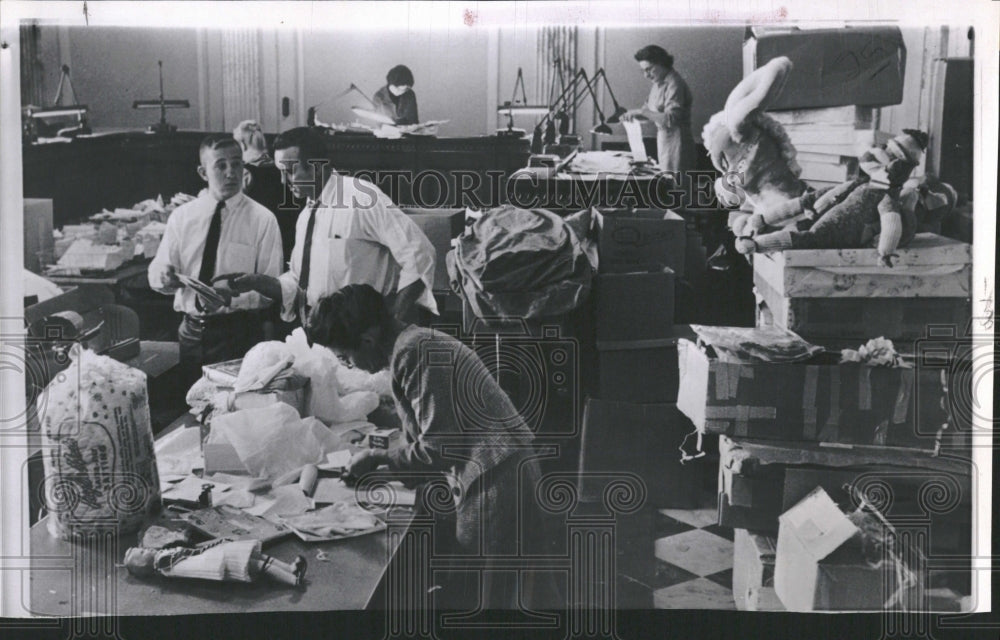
{"x": 380, "y": 438}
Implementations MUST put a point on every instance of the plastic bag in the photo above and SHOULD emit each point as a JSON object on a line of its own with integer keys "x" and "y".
{"x": 100, "y": 466}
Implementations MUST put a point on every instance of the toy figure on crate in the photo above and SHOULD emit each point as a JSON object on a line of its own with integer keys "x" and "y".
{"x": 751, "y": 149}
{"x": 871, "y": 209}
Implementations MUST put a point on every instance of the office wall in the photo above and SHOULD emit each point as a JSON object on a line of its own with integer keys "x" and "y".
{"x": 111, "y": 67}
{"x": 708, "y": 58}
{"x": 449, "y": 69}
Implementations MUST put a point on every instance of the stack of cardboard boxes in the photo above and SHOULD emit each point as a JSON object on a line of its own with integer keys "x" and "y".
{"x": 813, "y": 453}
{"x": 790, "y": 432}
{"x": 829, "y": 104}
{"x": 853, "y": 432}
{"x": 630, "y": 422}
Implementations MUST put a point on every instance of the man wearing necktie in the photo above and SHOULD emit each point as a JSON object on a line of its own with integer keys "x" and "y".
{"x": 349, "y": 233}
{"x": 220, "y": 231}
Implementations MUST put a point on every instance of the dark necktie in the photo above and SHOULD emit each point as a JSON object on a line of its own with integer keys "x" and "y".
{"x": 307, "y": 249}
{"x": 212, "y": 245}
{"x": 306, "y": 265}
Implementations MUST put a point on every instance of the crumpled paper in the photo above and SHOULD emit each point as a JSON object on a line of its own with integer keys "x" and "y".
{"x": 262, "y": 364}
{"x": 877, "y": 352}
{"x": 336, "y": 521}
{"x": 328, "y": 400}
{"x": 273, "y": 440}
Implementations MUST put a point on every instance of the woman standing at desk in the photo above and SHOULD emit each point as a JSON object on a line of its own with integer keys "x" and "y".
{"x": 396, "y": 99}
{"x": 458, "y": 423}
{"x": 668, "y": 107}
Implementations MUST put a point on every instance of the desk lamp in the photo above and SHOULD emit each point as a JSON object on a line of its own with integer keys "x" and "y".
{"x": 162, "y": 104}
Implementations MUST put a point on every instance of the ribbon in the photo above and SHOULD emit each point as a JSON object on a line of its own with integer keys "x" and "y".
{"x": 880, "y": 542}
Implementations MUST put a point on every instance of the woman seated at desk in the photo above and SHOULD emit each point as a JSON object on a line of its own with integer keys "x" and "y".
{"x": 457, "y": 422}
{"x": 396, "y": 99}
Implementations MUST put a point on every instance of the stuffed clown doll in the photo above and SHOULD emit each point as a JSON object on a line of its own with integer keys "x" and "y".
{"x": 869, "y": 210}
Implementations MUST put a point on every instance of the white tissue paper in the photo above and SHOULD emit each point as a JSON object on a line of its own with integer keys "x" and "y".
{"x": 325, "y": 401}
{"x": 273, "y": 440}
{"x": 261, "y": 364}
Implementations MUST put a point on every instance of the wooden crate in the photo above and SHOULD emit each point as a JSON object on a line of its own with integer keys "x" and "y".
{"x": 850, "y": 322}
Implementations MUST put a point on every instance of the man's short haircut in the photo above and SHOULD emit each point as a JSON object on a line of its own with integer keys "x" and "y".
{"x": 218, "y": 141}
{"x": 308, "y": 140}
{"x": 400, "y": 76}
{"x": 656, "y": 55}
{"x": 339, "y": 319}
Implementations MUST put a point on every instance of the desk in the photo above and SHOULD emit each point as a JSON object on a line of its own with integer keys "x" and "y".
{"x": 123, "y": 168}
{"x": 72, "y": 578}
{"x": 112, "y": 279}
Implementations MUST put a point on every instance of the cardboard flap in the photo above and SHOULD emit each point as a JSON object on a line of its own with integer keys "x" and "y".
{"x": 819, "y": 524}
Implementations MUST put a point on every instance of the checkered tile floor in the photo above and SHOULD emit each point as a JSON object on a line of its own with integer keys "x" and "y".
{"x": 692, "y": 566}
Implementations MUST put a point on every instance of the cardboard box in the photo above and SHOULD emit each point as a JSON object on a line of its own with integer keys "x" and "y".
{"x": 440, "y": 226}
{"x": 822, "y": 400}
{"x": 642, "y": 371}
{"x": 853, "y": 116}
{"x": 221, "y": 457}
{"x": 621, "y": 438}
{"x": 642, "y": 240}
{"x": 39, "y": 245}
{"x": 759, "y": 480}
{"x": 380, "y": 438}
{"x": 634, "y": 306}
{"x": 820, "y": 564}
{"x": 265, "y": 398}
{"x": 753, "y": 572}
{"x": 930, "y": 266}
{"x": 832, "y": 67}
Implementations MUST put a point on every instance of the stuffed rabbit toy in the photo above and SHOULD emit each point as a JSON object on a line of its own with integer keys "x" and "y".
{"x": 752, "y": 149}
{"x": 858, "y": 213}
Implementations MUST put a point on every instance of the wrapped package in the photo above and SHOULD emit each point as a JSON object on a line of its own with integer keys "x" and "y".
{"x": 100, "y": 467}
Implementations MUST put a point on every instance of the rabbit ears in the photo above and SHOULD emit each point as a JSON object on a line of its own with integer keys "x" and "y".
{"x": 756, "y": 91}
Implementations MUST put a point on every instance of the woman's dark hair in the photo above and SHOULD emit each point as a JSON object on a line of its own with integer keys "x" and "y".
{"x": 400, "y": 76}
{"x": 655, "y": 55}
{"x": 308, "y": 140}
{"x": 338, "y": 320}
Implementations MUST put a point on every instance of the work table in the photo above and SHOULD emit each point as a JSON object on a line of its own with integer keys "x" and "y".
{"x": 78, "y": 578}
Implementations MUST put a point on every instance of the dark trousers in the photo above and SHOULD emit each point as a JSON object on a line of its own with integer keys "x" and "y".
{"x": 216, "y": 339}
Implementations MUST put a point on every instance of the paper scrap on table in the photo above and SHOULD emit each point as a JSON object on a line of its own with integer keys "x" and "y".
{"x": 236, "y": 498}
{"x": 288, "y": 500}
{"x": 167, "y": 481}
{"x": 190, "y": 489}
{"x": 245, "y": 483}
{"x": 336, "y": 460}
{"x": 179, "y": 453}
{"x": 331, "y": 490}
{"x": 633, "y": 129}
{"x": 261, "y": 505}
{"x": 179, "y": 442}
